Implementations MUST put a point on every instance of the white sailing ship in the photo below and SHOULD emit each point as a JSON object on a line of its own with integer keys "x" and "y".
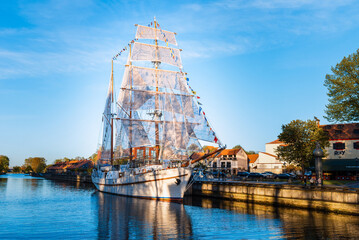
{"x": 151, "y": 130}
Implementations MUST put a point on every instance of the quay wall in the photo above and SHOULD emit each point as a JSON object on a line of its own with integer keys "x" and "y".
{"x": 329, "y": 199}
{"x": 68, "y": 177}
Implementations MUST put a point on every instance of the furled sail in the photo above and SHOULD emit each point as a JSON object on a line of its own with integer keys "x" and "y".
{"x": 144, "y": 32}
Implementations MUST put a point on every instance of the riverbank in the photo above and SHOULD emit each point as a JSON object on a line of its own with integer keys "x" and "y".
{"x": 327, "y": 199}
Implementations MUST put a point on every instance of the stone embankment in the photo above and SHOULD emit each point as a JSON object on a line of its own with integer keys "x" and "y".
{"x": 329, "y": 199}
{"x": 68, "y": 177}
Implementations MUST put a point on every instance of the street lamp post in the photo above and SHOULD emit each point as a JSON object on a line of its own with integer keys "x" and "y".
{"x": 318, "y": 155}
{"x": 356, "y": 169}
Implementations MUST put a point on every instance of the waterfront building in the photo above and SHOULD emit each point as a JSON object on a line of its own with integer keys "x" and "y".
{"x": 342, "y": 159}
{"x": 69, "y": 166}
{"x": 231, "y": 161}
{"x": 252, "y": 158}
{"x": 267, "y": 161}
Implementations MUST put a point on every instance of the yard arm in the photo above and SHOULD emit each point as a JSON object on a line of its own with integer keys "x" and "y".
{"x": 204, "y": 157}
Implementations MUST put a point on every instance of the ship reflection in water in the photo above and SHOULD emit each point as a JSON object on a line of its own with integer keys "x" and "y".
{"x": 134, "y": 218}
{"x": 34, "y": 208}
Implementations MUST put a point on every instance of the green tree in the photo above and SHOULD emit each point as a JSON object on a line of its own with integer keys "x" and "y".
{"x": 16, "y": 169}
{"x": 247, "y": 152}
{"x": 299, "y": 139}
{"x": 343, "y": 90}
{"x": 59, "y": 161}
{"x": 37, "y": 164}
{"x": 4, "y": 163}
{"x": 94, "y": 157}
{"x": 250, "y": 152}
{"x": 27, "y": 169}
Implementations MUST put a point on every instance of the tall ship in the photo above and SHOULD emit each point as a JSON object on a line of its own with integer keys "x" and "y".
{"x": 151, "y": 130}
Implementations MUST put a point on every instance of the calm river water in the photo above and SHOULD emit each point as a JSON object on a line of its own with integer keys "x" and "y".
{"x": 34, "y": 208}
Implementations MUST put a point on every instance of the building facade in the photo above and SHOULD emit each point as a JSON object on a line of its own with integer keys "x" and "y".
{"x": 231, "y": 161}
{"x": 342, "y": 160}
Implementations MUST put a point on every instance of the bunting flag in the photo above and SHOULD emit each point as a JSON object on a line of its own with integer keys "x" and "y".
{"x": 198, "y": 97}
{"x": 199, "y": 103}
{"x": 215, "y": 139}
{"x": 124, "y": 49}
{"x": 204, "y": 113}
{"x": 200, "y": 109}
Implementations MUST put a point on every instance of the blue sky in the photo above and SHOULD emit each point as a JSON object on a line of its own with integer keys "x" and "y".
{"x": 255, "y": 64}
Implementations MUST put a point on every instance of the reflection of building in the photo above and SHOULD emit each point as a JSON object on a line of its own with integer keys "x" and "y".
{"x": 233, "y": 160}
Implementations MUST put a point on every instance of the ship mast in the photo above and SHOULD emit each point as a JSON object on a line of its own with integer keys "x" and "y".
{"x": 130, "y": 115}
{"x": 157, "y": 113}
{"x": 112, "y": 100}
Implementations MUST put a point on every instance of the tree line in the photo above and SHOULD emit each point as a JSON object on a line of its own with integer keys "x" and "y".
{"x": 36, "y": 164}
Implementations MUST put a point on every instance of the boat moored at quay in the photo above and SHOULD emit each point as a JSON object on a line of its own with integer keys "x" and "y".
{"x": 151, "y": 130}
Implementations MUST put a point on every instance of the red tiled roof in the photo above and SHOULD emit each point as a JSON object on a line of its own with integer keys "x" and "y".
{"x": 229, "y": 152}
{"x": 252, "y": 157}
{"x": 269, "y": 154}
{"x": 343, "y": 131}
{"x": 79, "y": 164}
{"x": 69, "y": 165}
{"x": 275, "y": 142}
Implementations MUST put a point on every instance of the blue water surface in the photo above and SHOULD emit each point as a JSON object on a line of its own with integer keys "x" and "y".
{"x": 35, "y": 208}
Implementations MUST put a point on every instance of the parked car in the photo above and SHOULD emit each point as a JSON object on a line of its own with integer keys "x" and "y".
{"x": 254, "y": 175}
{"x": 269, "y": 175}
{"x": 284, "y": 176}
{"x": 293, "y": 175}
{"x": 242, "y": 174}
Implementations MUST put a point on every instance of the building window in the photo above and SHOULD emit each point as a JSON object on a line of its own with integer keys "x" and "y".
{"x": 340, "y": 126}
{"x": 139, "y": 154}
{"x": 356, "y": 131}
{"x": 338, "y": 146}
{"x": 153, "y": 154}
{"x": 328, "y": 127}
{"x": 223, "y": 164}
{"x": 356, "y": 145}
{"x": 214, "y": 164}
{"x": 229, "y": 164}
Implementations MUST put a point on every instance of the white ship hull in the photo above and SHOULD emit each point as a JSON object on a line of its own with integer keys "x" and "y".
{"x": 166, "y": 184}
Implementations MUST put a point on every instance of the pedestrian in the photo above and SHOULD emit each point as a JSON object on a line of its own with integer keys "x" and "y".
{"x": 311, "y": 181}
{"x": 320, "y": 181}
